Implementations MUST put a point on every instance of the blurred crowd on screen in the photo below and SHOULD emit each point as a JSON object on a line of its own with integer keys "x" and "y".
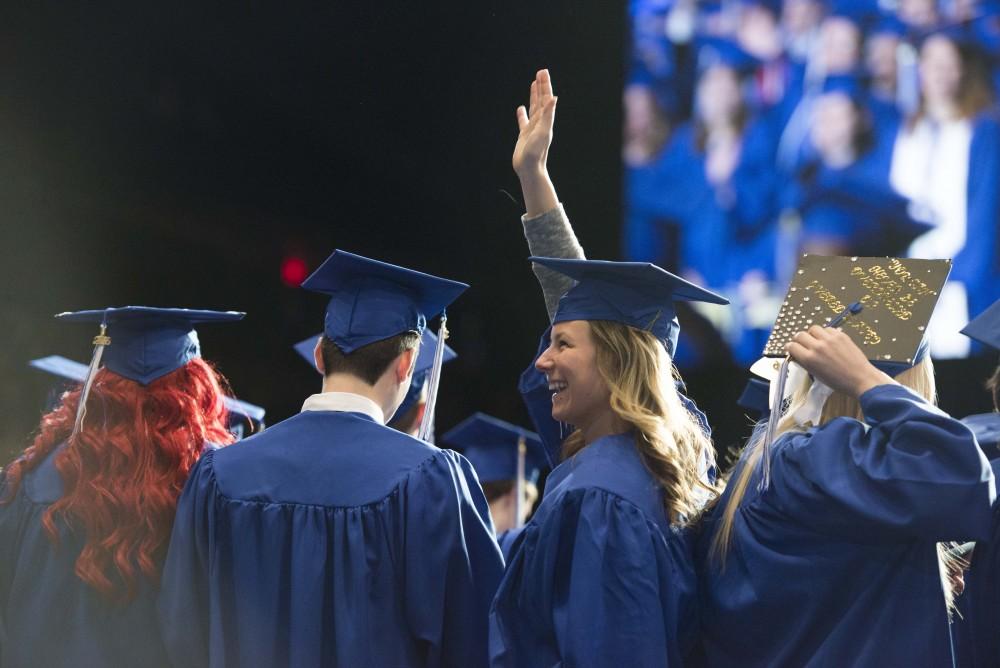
{"x": 756, "y": 130}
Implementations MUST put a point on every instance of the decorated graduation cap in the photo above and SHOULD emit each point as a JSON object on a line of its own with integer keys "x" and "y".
{"x": 142, "y": 343}
{"x": 638, "y": 294}
{"x": 882, "y": 303}
{"x": 372, "y": 300}
{"x": 499, "y": 451}
{"x": 985, "y": 327}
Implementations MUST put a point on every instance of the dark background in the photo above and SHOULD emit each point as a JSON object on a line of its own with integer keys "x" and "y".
{"x": 174, "y": 156}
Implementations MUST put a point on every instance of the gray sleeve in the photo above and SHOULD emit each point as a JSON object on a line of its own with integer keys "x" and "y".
{"x": 551, "y": 235}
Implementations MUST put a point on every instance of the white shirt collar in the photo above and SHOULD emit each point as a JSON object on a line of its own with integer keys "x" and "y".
{"x": 345, "y": 402}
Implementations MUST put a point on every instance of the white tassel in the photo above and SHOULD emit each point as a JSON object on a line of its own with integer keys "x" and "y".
{"x": 100, "y": 341}
{"x": 426, "y": 431}
{"x": 777, "y": 404}
{"x": 522, "y": 453}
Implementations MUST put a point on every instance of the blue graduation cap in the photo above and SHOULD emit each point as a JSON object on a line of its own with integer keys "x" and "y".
{"x": 372, "y": 300}
{"x": 985, "y": 327}
{"x": 864, "y": 216}
{"x": 638, "y": 294}
{"x": 145, "y": 343}
{"x": 305, "y": 349}
{"x": 986, "y": 427}
{"x": 755, "y": 398}
{"x": 720, "y": 52}
{"x": 492, "y": 445}
{"x": 851, "y": 85}
{"x": 60, "y": 366}
{"x": 240, "y": 412}
{"x": 422, "y": 368}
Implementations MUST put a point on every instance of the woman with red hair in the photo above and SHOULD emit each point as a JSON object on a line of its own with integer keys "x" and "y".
{"x": 86, "y": 511}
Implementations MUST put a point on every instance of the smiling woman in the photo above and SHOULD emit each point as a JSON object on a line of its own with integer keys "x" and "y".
{"x": 605, "y": 562}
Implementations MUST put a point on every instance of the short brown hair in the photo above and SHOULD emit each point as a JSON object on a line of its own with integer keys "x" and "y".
{"x": 367, "y": 362}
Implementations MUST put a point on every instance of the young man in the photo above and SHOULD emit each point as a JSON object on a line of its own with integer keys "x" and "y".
{"x": 330, "y": 539}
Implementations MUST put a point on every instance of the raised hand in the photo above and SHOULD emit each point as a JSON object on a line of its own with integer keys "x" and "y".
{"x": 535, "y": 126}
{"x": 531, "y": 151}
{"x": 832, "y": 357}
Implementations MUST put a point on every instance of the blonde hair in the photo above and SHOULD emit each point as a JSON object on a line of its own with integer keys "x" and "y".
{"x": 919, "y": 378}
{"x": 641, "y": 379}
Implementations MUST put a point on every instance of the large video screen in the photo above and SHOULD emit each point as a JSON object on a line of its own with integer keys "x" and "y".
{"x": 758, "y": 130}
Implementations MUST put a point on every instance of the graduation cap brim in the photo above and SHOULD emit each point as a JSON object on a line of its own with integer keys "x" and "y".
{"x": 641, "y": 276}
{"x": 985, "y": 327}
{"x": 431, "y": 294}
{"x": 490, "y": 444}
{"x": 239, "y": 407}
{"x": 898, "y": 296}
{"x": 150, "y": 315}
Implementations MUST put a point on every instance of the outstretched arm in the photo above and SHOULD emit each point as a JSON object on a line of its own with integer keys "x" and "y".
{"x": 546, "y": 227}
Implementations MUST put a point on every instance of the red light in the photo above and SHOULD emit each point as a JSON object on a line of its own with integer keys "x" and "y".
{"x": 294, "y": 270}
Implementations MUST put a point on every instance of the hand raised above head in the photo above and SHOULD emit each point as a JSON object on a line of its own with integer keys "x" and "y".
{"x": 833, "y": 358}
{"x": 535, "y": 126}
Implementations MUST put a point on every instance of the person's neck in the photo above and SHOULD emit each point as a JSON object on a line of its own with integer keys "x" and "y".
{"x": 604, "y": 424}
{"x": 342, "y": 382}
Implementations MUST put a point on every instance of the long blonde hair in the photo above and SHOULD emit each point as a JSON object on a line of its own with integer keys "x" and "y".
{"x": 919, "y": 378}
{"x": 670, "y": 441}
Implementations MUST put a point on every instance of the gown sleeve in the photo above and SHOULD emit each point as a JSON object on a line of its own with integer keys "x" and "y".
{"x": 910, "y": 471}
{"x": 452, "y": 562}
{"x": 592, "y": 584}
{"x": 183, "y": 604}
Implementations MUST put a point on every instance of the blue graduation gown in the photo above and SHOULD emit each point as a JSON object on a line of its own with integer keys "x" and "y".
{"x": 977, "y": 265}
{"x": 50, "y": 617}
{"x": 977, "y": 633}
{"x": 330, "y": 540}
{"x": 835, "y": 563}
{"x": 598, "y": 577}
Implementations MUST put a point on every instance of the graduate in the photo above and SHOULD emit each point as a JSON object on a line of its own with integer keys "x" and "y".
{"x": 330, "y": 539}
{"x": 244, "y": 418}
{"x": 823, "y": 550}
{"x": 602, "y": 575}
{"x": 86, "y": 511}
{"x": 410, "y": 413}
{"x": 976, "y": 633}
{"x": 508, "y": 461}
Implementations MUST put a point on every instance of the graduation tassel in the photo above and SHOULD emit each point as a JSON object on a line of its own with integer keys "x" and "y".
{"x": 522, "y": 453}
{"x": 426, "y": 431}
{"x": 814, "y": 404}
{"x": 100, "y": 341}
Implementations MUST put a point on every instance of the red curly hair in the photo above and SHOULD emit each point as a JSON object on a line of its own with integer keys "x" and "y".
{"x": 124, "y": 471}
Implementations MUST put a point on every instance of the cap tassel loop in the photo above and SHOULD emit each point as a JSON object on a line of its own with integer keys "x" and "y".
{"x": 522, "y": 453}
{"x": 426, "y": 431}
{"x": 100, "y": 341}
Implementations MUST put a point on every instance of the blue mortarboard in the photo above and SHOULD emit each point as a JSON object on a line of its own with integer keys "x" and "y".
{"x": 239, "y": 411}
{"x": 888, "y": 24}
{"x": 422, "y": 367}
{"x": 638, "y": 294}
{"x": 305, "y": 349}
{"x": 147, "y": 342}
{"x": 985, "y": 327}
{"x": 492, "y": 447}
{"x": 372, "y": 300}
{"x": 867, "y": 217}
{"x": 717, "y": 51}
{"x": 851, "y": 85}
{"x": 986, "y": 427}
{"x": 755, "y": 398}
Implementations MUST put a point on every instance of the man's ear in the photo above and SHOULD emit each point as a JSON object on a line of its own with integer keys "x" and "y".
{"x": 405, "y": 363}
{"x": 318, "y": 357}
